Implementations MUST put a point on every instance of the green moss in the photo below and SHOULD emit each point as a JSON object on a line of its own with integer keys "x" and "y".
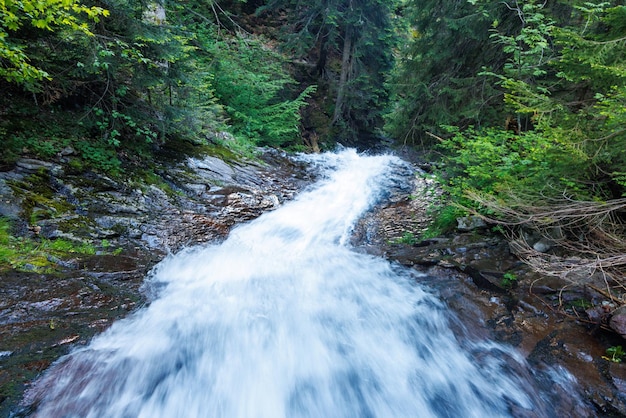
{"x": 63, "y": 246}
{"x": 75, "y": 166}
{"x": 176, "y": 150}
{"x": 145, "y": 178}
{"x": 36, "y": 254}
{"x": 231, "y": 152}
{"x": 38, "y": 198}
{"x": 75, "y": 224}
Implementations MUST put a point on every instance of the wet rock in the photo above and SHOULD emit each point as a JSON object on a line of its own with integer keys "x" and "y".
{"x": 597, "y": 314}
{"x": 154, "y": 199}
{"x": 71, "y": 264}
{"x": 213, "y": 169}
{"x": 9, "y": 205}
{"x": 426, "y": 167}
{"x": 617, "y": 372}
{"x": 618, "y": 321}
{"x": 117, "y": 222}
{"x": 543, "y": 317}
{"x": 406, "y": 215}
{"x": 197, "y": 189}
{"x": 411, "y": 256}
{"x": 117, "y": 203}
{"x": 486, "y": 280}
{"x": 41, "y": 316}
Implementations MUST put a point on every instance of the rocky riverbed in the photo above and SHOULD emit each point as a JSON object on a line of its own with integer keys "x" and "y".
{"x": 132, "y": 225}
{"x": 494, "y": 294}
{"x": 198, "y": 200}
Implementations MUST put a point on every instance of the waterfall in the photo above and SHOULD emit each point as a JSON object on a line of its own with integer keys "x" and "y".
{"x": 284, "y": 319}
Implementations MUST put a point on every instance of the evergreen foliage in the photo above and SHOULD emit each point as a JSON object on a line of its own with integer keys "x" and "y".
{"x": 348, "y": 45}
{"x": 252, "y": 82}
{"x": 437, "y": 80}
{"x": 548, "y": 75}
{"x": 546, "y": 149}
{"x": 128, "y": 76}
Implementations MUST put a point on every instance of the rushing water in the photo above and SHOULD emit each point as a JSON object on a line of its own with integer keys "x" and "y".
{"x": 283, "y": 319}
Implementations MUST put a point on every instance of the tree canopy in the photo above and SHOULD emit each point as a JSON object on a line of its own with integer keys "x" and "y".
{"x": 461, "y": 75}
{"x": 525, "y": 101}
{"x": 19, "y": 20}
{"x": 125, "y": 77}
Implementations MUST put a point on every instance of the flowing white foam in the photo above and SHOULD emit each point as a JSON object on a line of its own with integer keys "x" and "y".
{"x": 284, "y": 320}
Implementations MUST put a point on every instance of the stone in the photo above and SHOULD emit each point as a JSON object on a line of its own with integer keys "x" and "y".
{"x": 543, "y": 245}
{"x": 141, "y": 223}
{"x": 196, "y": 189}
{"x": 71, "y": 264}
{"x": 155, "y": 199}
{"x": 117, "y": 222}
{"x": 470, "y": 223}
{"x": 9, "y": 205}
{"x": 67, "y": 151}
{"x": 123, "y": 208}
{"x": 32, "y": 166}
{"x": 224, "y": 136}
{"x": 216, "y": 168}
{"x": 618, "y": 321}
{"x": 617, "y": 371}
{"x": 596, "y": 314}
{"x": 152, "y": 241}
{"x": 105, "y": 234}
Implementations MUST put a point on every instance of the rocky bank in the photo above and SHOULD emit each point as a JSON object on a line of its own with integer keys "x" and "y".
{"x": 556, "y": 327}
{"x": 194, "y": 200}
{"x": 132, "y": 223}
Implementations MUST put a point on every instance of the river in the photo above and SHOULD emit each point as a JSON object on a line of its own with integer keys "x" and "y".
{"x": 285, "y": 319}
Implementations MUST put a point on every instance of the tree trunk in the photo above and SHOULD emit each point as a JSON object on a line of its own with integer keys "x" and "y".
{"x": 320, "y": 67}
{"x": 346, "y": 64}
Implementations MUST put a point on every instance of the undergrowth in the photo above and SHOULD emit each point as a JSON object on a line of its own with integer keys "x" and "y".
{"x": 443, "y": 220}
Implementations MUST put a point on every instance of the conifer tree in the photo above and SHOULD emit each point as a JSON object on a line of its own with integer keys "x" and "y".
{"x": 437, "y": 82}
{"x": 350, "y": 44}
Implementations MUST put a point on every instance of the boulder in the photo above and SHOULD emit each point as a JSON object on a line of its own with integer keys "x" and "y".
{"x": 543, "y": 245}
{"x": 470, "y": 223}
{"x": 9, "y": 205}
{"x": 30, "y": 165}
{"x": 212, "y": 169}
{"x": 618, "y": 321}
{"x": 67, "y": 151}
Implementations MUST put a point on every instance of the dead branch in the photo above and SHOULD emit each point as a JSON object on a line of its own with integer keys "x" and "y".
{"x": 588, "y": 237}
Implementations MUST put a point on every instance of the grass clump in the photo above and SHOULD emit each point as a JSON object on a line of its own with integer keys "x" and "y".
{"x": 407, "y": 238}
{"x": 443, "y": 221}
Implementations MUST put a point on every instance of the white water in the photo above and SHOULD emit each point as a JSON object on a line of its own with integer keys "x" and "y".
{"x": 284, "y": 320}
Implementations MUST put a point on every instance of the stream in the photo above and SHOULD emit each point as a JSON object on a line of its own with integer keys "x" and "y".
{"x": 285, "y": 319}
